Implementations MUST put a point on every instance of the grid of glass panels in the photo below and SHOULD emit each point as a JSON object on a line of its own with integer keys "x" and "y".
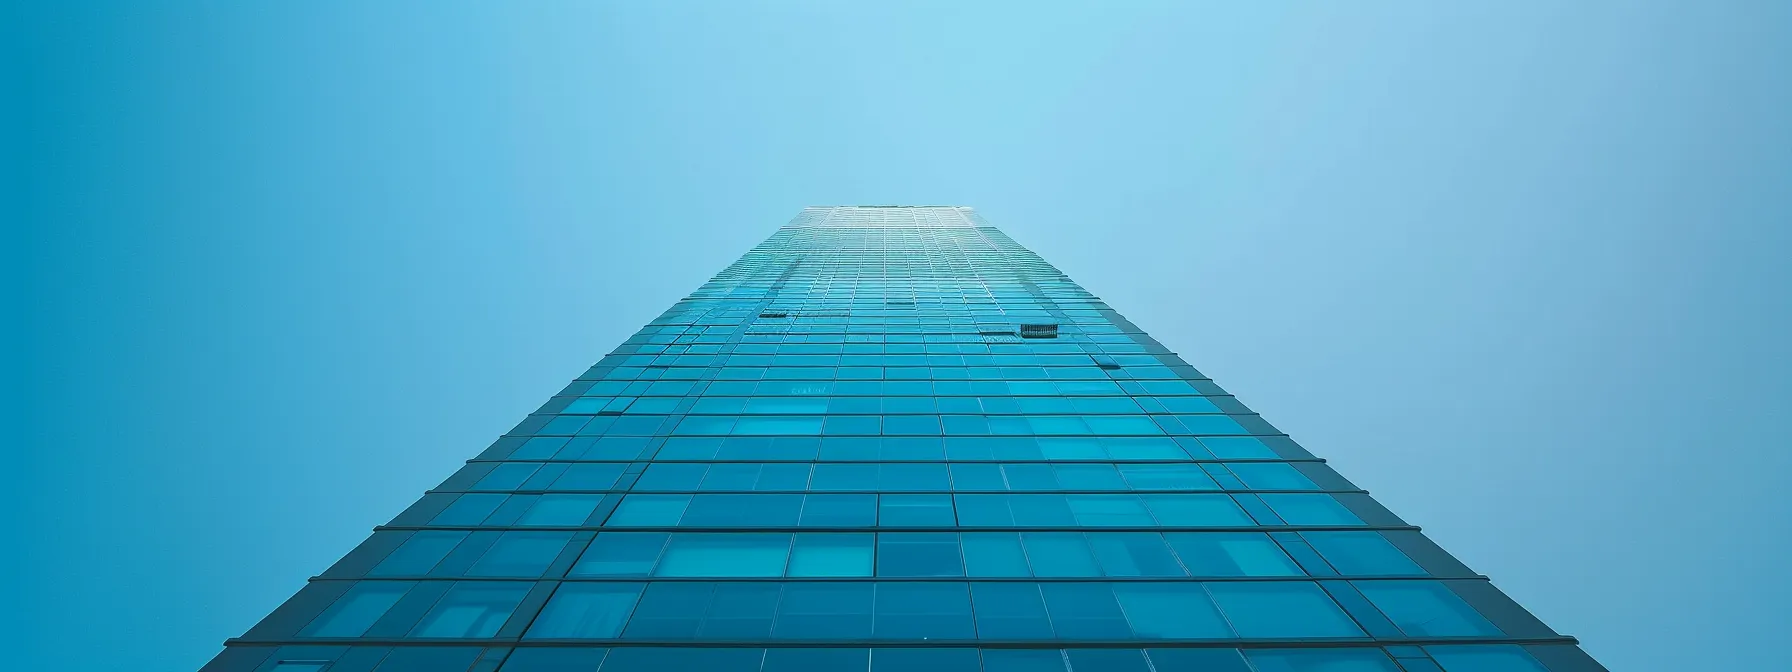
{"x": 892, "y": 439}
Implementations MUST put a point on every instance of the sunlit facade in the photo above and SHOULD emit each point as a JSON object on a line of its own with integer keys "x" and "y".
{"x": 891, "y": 439}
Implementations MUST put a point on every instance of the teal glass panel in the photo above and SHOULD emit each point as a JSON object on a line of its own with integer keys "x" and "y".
{"x": 725, "y": 555}
{"x": 355, "y": 612}
{"x": 586, "y": 611}
{"x": 472, "y": 609}
{"x": 1289, "y": 609}
{"x": 831, "y": 555}
{"x": 621, "y": 554}
{"x": 1484, "y": 658}
{"x": 1425, "y": 609}
{"x": 1361, "y": 553}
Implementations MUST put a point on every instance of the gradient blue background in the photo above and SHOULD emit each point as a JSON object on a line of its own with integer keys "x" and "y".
{"x": 1520, "y": 269}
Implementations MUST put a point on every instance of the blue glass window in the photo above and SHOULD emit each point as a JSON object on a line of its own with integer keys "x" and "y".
{"x": 915, "y": 511}
{"x": 542, "y": 659}
{"x": 469, "y": 509}
{"x": 1085, "y": 611}
{"x": 621, "y": 554}
{"x": 994, "y": 554}
{"x": 1320, "y": 660}
{"x": 1231, "y": 554}
{"x": 1166, "y": 477}
{"x": 586, "y": 611}
{"x": 1010, "y": 611}
{"x": 1235, "y": 447}
{"x": 756, "y": 510}
{"x": 1196, "y": 511}
{"x": 649, "y": 511}
{"x": 923, "y": 611}
{"x": 820, "y": 611}
{"x": 1425, "y": 609}
{"x": 839, "y": 511}
{"x": 1281, "y": 609}
{"x": 918, "y": 554}
{"x": 1484, "y": 658}
{"x": 589, "y": 477}
{"x": 472, "y": 609}
{"x": 521, "y": 554}
{"x": 1361, "y": 553}
{"x": 1198, "y": 660}
{"x": 1133, "y": 554}
{"x": 932, "y": 660}
{"x": 562, "y": 510}
{"x": 418, "y": 554}
{"x": 725, "y": 555}
{"x": 1109, "y": 511}
{"x": 1170, "y": 611}
{"x": 815, "y": 660}
{"x": 1314, "y": 509}
{"x": 1019, "y": 660}
{"x": 1107, "y": 660}
{"x": 1059, "y": 554}
{"x": 1271, "y": 476}
{"x": 507, "y": 476}
{"x": 831, "y": 555}
{"x": 354, "y": 612}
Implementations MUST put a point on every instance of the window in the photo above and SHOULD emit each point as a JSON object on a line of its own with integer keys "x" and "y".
{"x": 561, "y": 510}
{"x": 1133, "y": 554}
{"x": 1178, "y": 510}
{"x": 1204, "y": 660}
{"x": 1361, "y": 553}
{"x": 1166, "y": 477}
{"x": 621, "y": 554}
{"x": 724, "y": 555}
{"x": 1059, "y": 554}
{"x": 755, "y": 510}
{"x": 1271, "y": 476}
{"x": 915, "y": 511}
{"x": 472, "y": 609}
{"x": 923, "y": 611}
{"x": 1310, "y": 509}
{"x": 1231, "y": 554}
{"x": 469, "y": 509}
{"x": 1314, "y": 660}
{"x": 1170, "y": 611}
{"x": 1022, "y": 660}
{"x": 1425, "y": 608}
{"x": 521, "y": 554}
{"x": 649, "y": 511}
{"x": 1484, "y": 658}
{"x": 831, "y": 555}
{"x": 543, "y": 659}
{"x": 933, "y": 660}
{"x": 1084, "y": 611}
{"x": 838, "y": 511}
{"x": 419, "y": 554}
{"x": 814, "y": 660}
{"x": 824, "y": 611}
{"x": 586, "y": 611}
{"x": 1281, "y": 609}
{"x": 354, "y": 612}
{"x": 1010, "y": 611}
{"x": 994, "y": 554}
{"x": 918, "y": 554}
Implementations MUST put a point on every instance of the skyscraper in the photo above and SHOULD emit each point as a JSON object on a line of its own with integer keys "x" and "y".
{"x": 891, "y": 439}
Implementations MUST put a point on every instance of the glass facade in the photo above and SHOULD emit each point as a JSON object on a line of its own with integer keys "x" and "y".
{"x": 891, "y": 439}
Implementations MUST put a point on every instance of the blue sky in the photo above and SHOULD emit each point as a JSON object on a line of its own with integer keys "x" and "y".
{"x": 1517, "y": 268}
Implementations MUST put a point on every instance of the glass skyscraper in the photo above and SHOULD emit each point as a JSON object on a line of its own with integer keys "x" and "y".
{"x": 890, "y": 439}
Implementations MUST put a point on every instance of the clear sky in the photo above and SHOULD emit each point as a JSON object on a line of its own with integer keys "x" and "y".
{"x": 1519, "y": 268}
